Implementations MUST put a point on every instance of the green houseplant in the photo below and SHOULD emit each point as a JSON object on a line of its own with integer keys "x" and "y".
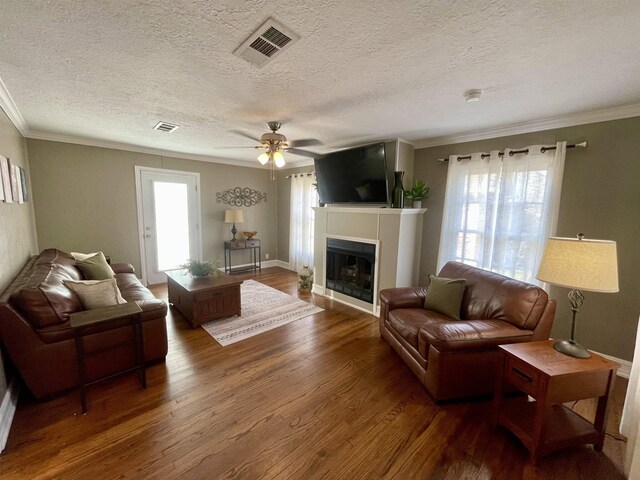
{"x": 201, "y": 268}
{"x": 418, "y": 192}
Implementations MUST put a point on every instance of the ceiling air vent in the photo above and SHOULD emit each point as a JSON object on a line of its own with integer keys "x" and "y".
{"x": 266, "y": 43}
{"x": 166, "y": 127}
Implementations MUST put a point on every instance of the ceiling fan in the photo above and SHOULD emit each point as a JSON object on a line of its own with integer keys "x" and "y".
{"x": 274, "y": 144}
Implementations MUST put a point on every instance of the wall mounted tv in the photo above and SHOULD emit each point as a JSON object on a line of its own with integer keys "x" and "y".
{"x": 356, "y": 175}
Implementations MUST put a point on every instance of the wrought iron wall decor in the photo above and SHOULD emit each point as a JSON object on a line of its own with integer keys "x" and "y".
{"x": 241, "y": 196}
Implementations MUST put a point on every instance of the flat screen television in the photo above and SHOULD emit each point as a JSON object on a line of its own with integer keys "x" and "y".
{"x": 355, "y": 175}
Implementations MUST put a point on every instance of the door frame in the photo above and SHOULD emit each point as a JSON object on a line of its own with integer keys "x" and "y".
{"x": 138, "y": 176}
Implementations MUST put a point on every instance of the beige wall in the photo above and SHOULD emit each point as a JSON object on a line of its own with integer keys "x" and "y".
{"x": 85, "y": 200}
{"x": 600, "y": 197}
{"x": 17, "y": 227}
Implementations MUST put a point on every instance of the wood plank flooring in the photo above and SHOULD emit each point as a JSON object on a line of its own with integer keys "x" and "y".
{"x": 322, "y": 397}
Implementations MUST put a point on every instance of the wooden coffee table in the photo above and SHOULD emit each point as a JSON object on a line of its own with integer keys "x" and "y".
{"x": 551, "y": 379}
{"x": 201, "y": 299}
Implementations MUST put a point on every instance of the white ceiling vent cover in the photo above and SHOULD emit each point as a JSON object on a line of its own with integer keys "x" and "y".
{"x": 266, "y": 43}
{"x": 166, "y": 127}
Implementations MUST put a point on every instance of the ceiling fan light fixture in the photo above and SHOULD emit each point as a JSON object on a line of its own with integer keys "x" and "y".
{"x": 263, "y": 158}
{"x": 278, "y": 158}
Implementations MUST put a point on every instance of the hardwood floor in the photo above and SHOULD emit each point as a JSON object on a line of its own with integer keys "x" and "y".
{"x": 322, "y": 397}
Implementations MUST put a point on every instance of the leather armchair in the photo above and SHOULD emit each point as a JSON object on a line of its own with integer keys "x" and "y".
{"x": 459, "y": 358}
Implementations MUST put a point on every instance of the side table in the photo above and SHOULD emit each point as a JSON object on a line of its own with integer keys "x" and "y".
{"x": 551, "y": 379}
{"x": 114, "y": 316}
{"x": 256, "y": 255}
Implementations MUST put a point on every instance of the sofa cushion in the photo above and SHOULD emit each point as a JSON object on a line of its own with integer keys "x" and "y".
{"x": 444, "y": 296}
{"x": 490, "y": 295}
{"x": 407, "y": 322}
{"x": 467, "y": 335}
{"x": 41, "y": 297}
{"x": 96, "y": 293}
{"x": 95, "y": 267}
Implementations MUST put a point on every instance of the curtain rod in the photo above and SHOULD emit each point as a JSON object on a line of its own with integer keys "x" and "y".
{"x": 513, "y": 152}
{"x": 301, "y": 173}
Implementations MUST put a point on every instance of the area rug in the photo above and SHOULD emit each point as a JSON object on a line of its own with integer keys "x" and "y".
{"x": 263, "y": 309}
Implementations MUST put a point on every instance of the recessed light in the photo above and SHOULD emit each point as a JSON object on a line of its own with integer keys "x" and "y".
{"x": 472, "y": 95}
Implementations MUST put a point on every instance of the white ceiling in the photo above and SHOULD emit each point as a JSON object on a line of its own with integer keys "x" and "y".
{"x": 105, "y": 72}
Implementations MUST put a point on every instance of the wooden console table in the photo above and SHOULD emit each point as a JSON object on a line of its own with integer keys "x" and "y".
{"x": 112, "y": 316}
{"x": 201, "y": 299}
{"x": 551, "y": 379}
{"x": 256, "y": 255}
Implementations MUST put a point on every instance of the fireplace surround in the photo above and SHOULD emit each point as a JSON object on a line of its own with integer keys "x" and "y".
{"x": 391, "y": 240}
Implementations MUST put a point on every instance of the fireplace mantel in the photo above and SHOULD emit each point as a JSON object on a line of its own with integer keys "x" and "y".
{"x": 397, "y": 233}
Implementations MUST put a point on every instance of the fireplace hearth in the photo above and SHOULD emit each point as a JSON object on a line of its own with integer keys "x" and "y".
{"x": 350, "y": 268}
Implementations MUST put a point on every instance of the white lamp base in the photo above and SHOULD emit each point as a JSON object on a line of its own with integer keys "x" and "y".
{"x": 571, "y": 348}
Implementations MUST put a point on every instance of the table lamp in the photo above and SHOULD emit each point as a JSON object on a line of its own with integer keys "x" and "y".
{"x": 579, "y": 264}
{"x": 233, "y": 216}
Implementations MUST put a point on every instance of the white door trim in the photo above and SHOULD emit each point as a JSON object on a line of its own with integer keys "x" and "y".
{"x": 138, "y": 176}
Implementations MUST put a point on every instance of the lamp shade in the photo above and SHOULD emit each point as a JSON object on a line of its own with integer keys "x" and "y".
{"x": 278, "y": 158}
{"x": 589, "y": 265}
{"x": 233, "y": 216}
{"x": 263, "y": 158}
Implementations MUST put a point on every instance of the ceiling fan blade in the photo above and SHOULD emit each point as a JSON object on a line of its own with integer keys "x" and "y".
{"x": 245, "y": 135}
{"x": 305, "y": 142}
{"x": 303, "y": 153}
{"x": 230, "y": 147}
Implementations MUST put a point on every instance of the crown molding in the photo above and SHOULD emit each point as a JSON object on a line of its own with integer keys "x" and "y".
{"x": 11, "y": 109}
{"x": 605, "y": 115}
{"x": 91, "y": 142}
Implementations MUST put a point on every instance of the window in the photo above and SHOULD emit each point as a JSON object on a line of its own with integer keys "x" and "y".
{"x": 499, "y": 210}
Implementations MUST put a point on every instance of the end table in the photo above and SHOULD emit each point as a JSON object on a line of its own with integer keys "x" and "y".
{"x": 551, "y": 379}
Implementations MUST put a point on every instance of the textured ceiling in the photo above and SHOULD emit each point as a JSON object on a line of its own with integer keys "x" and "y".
{"x": 363, "y": 70}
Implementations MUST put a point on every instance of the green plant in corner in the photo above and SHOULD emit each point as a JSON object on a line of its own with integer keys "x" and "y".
{"x": 419, "y": 190}
{"x": 201, "y": 268}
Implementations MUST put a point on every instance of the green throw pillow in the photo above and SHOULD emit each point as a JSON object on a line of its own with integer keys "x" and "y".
{"x": 444, "y": 296}
{"x": 95, "y": 268}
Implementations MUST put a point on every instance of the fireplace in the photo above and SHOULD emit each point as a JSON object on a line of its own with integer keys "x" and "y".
{"x": 350, "y": 268}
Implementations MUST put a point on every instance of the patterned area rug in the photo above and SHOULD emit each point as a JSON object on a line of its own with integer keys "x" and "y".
{"x": 263, "y": 308}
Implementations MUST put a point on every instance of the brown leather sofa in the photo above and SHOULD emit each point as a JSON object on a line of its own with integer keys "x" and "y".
{"x": 455, "y": 359}
{"x": 35, "y": 332}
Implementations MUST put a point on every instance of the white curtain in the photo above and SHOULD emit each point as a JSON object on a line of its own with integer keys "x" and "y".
{"x": 499, "y": 210}
{"x": 303, "y": 197}
{"x": 631, "y": 416}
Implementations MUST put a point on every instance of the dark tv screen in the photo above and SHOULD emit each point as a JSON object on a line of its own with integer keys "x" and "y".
{"x": 356, "y": 175}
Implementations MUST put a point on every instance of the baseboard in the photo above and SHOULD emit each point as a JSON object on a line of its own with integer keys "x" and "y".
{"x": 264, "y": 264}
{"x": 8, "y": 410}
{"x": 625, "y": 365}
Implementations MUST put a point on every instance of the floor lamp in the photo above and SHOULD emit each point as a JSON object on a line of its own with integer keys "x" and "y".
{"x": 581, "y": 265}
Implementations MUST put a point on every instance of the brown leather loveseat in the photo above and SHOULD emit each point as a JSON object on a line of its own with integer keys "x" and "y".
{"x": 458, "y": 358}
{"x": 35, "y": 332}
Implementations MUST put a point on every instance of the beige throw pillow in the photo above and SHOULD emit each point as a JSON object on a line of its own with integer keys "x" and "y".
{"x": 444, "y": 296}
{"x": 96, "y": 293}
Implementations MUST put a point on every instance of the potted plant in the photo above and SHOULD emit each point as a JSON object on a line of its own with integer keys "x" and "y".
{"x": 201, "y": 268}
{"x": 418, "y": 192}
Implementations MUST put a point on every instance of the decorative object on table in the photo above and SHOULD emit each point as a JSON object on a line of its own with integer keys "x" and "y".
{"x": 418, "y": 192}
{"x": 233, "y": 216}
{"x": 263, "y": 309}
{"x": 305, "y": 279}
{"x": 201, "y": 268}
{"x": 241, "y": 196}
{"x": 250, "y": 235}
{"x": 397, "y": 195}
{"x": 579, "y": 264}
